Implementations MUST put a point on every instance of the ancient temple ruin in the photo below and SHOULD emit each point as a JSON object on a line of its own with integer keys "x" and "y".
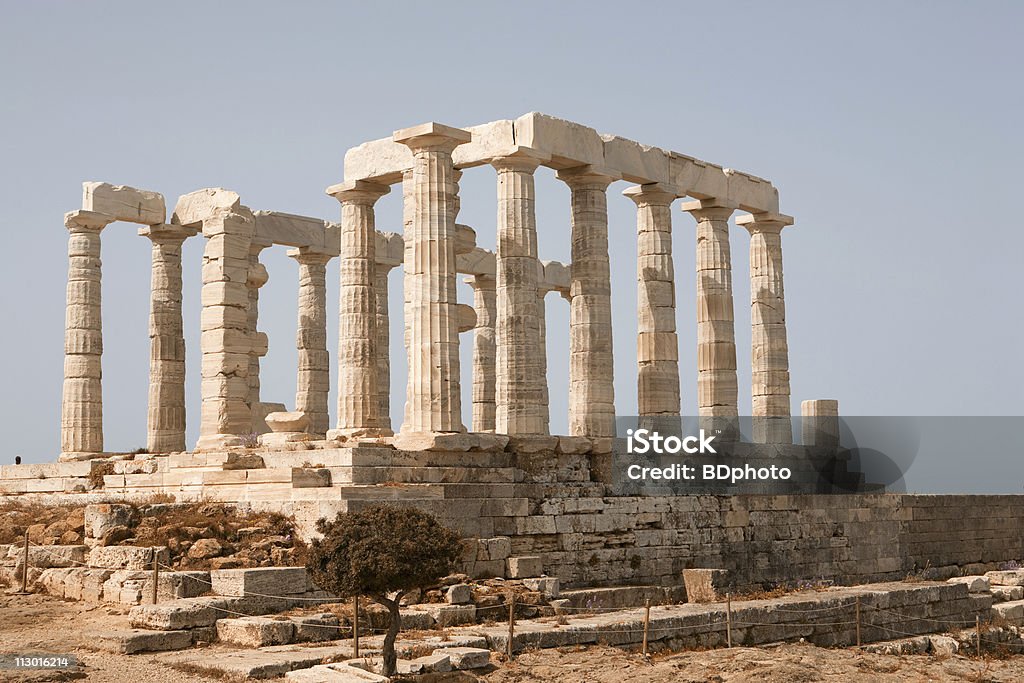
{"x": 510, "y": 390}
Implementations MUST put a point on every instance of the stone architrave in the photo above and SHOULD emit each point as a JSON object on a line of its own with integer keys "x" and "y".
{"x": 433, "y": 402}
{"x": 484, "y": 352}
{"x": 657, "y": 343}
{"x": 717, "y": 387}
{"x": 769, "y": 347}
{"x": 519, "y": 399}
{"x": 165, "y": 427}
{"x": 313, "y": 382}
{"x": 591, "y": 387}
{"x": 358, "y": 391}
{"x": 82, "y": 400}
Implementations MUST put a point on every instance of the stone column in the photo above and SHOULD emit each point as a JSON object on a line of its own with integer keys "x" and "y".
{"x": 314, "y": 372}
{"x": 433, "y": 402}
{"x": 542, "y": 356}
{"x": 717, "y": 388}
{"x": 769, "y": 348}
{"x": 518, "y": 387}
{"x": 484, "y": 352}
{"x": 358, "y": 391}
{"x": 591, "y": 388}
{"x": 383, "y": 345}
{"x": 257, "y": 277}
{"x": 819, "y": 424}
{"x": 657, "y": 344}
{"x": 81, "y": 425}
{"x": 165, "y": 425}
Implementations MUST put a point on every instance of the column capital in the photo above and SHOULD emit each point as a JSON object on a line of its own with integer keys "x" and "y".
{"x": 713, "y": 208}
{"x": 432, "y": 136}
{"x": 651, "y": 193}
{"x": 86, "y": 221}
{"x": 311, "y": 256}
{"x": 764, "y": 222}
{"x": 483, "y": 282}
{"x": 520, "y": 158}
{"x": 589, "y": 175}
{"x": 358, "y": 192}
{"x": 167, "y": 233}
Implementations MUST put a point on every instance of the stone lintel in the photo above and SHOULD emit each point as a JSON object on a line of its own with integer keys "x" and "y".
{"x": 202, "y": 205}
{"x": 390, "y": 249}
{"x": 124, "y": 203}
{"x": 87, "y": 220}
{"x": 358, "y": 190}
{"x": 431, "y": 134}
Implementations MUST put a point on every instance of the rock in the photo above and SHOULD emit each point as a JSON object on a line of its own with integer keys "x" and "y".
{"x": 205, "y": 548}
{"x": 70, "y": 538}
{"x": 225, "y": 563}
{"x": 1007, "y": 593}
{"x": 525, "y": 566}
{"x": 101, "y": 517}
{"x": 975, "y": 584}
{"x": 265, "y": 581}
{"x": 295, "y": 421}
{"x": 459, "y": 594}
{"x": 127, "y": 557}
{"x": 76, "y": 520}
{"x": 115, "y": 535}
{"x": 1009, "y": 577}
{"x": 944, "y": 646}
{"x": 255, "y": 631}
{"x": 1011, "y": 612}
{"x": 463, "y": 658}
{"x": 36, "y": 532}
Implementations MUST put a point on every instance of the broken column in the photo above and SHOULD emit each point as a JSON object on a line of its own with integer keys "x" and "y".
{"x": 819, "y": 424}
{"x": 485, "y": 304}
{"x": 82, "y": 402}
{"x": 717, "y": 388}
{"x": 314, "y": 373}
{"x": 358, "y": 395}
{"x": 657, "y": 345}
{"x": 519, "y": 380}
{"x": 769, "y": 347}
{"x": 433, "y": 402}
{"x": 165, "y": 426}
{"x": 591, "y": 390}
{"x": 225, "y": 341}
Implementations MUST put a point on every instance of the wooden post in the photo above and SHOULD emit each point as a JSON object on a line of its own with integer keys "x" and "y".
{"x": 511, "y": 623}
{"x": 156, "y": 576}
{"x": 858, "y": 621}
{"x": 977, "y": 626}
{"x": 647, "y": 623}
{"x": 24, "y": 569}
{"x": 728, "y": 619}
{"x": 355, "y": 628}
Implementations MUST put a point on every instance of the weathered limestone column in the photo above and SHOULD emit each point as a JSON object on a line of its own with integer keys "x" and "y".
{"x": 433, "y": 401}
{"x": 314, "y": 372}
{"x": 820, "y": 423}
{"x": 484, "y": 352}
{"x": 717, "y": 388}
{"x": 519, "y": 381}
{"x": 383, "y": 344}
{"x": 255, "y": 280}
{"x": 358, "y": 394}
{"x": 82, "y": 402}
{"x": 657, "y": 344}
{"x": 591, "y": 388}
{"x": 769, "y": 347}
{"x": 165, "y": 426}
{"x": 542, "y": 356}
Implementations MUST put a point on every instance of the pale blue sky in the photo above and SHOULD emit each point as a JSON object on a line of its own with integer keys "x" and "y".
{"x": 892, "y": 131}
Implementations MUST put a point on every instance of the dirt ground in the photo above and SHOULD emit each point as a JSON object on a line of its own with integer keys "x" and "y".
{"x": 40, "y": 624}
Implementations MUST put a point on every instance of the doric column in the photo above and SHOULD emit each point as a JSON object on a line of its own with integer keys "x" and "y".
{"x": 433, "y": 402}
{"x": 657, "y": 345}
{"x": 484, "y": 352}
{"x": 314, "y": 372}
{"x": 383, "y": 344}
{"x": 769, "y": 350}
{"x": 165, "y": 425}
{"x": 519, "y": 385}
{"x": 82, "y": 402}
{"x": 819, "y": 424}
{"x": 542, "y": 361}
{"x": 717, "y": 389}
{"x": 591, "y": 388}
{"x": 255, "y": 280}
{"x": 358, "y": 391}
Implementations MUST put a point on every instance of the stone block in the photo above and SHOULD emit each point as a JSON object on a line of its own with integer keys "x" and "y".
{"x": 308, "y": 477}
{"x": 1009, "y": 577}
{"x": 525, "y": 566}
{"x": 569, "y": 144}
{"x": 549, "y": 586}
{"x": 1007, "y": 593}
{"x": 172, "y": 616}
{"x": 497, "y": 548}
{"x": 316, "y": 627}
{"x": 637, "y": 163}
{"x": 139, "y": 640}
{"x": 255, "y": 631}
{"x": 527, "y": 444}
{"x": 270, "y": 581}
{"x": 450, "y": 615}
{"x": 203, "y": 205}
{"x": 1011, "y": 612}
{"x": 573, "y": 445}
{"x": 415, "y": 619}
{"x": 102, "y": 517}
{"x": 438, "y": 662}
{"x": 127, "y": 557}
{"x": 706, "y": 585}
{"x": 944, "y": 646}
{"x": 975, "y": 584}
{"x": 124, "y": 203}
{"x": 463, "y": 658}
{"x": 341, "y": 672}
{"x": 459, "y": 594}
{"x": 50, "y": 556}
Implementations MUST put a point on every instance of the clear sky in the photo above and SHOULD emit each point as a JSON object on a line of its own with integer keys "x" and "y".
{"x": 892, "y": 130}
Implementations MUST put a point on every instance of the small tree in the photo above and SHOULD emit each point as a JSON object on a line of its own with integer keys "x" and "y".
{"x": 382, "y": 552}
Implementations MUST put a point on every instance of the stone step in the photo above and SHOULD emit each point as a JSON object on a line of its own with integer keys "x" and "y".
{"x": 268, "y": 662}
{"x": 1011, "y": 612}
{"x": 136, "y": 640}
{"x": 621, "y": 596}
{"x": 428, "y": 475}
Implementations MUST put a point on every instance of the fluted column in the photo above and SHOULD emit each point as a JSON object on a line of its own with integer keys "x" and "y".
{"x": 657, "y": 345}
{"x": 769, "y": 347}
{"x": 484, "y": 352}
{"x": 383, "y": 345}
{"x": 165, "y": 424}
{"x": 591, "y": 388}
{"x": 717, "y": 389}
{"x": 82, "y": 400}
{"x": 358, "y": 391}
{"x": 314, "y": 372}
{"x": 542, "y": 361}
{"x": 433, "y": 402}
{"x": 257, "y": 277}
{"x": 518, "y": 386}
